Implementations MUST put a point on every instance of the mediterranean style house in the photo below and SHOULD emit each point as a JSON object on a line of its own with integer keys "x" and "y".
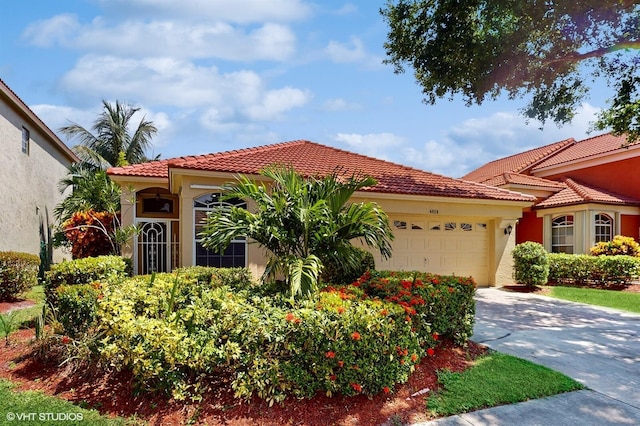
{"x": 33, "y": 161}
{"x": 441, "y": 225}
{"x": 586, "y": 191}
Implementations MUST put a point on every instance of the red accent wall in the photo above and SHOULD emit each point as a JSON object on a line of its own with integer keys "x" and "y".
{"x": 621, "y": 177}
{"x": 629, "y": 226}
{"x": 529, "y": 228}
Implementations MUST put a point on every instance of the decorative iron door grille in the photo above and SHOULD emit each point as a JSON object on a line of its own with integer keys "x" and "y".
{"x": 153, "y": 247}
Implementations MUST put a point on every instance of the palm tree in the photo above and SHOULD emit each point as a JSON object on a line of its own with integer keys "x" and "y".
{"x": 91, "y": 189}
{"x": 112, "y": 143}
{"x": 302, "y": 223}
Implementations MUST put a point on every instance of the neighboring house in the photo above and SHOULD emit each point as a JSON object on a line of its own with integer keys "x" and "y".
{"x": 33, "y": 161}
{"x": 587, "y": 191}
{"x": 441, "y": 225}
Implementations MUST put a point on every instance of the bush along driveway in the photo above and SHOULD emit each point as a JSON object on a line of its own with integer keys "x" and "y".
{"x": 599, "y": 347}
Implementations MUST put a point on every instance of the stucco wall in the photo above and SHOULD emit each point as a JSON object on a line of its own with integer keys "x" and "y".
{"x": 30, "y": 184}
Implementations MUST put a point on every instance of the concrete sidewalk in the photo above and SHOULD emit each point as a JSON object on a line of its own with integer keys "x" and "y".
{"x": 598, "y": 347}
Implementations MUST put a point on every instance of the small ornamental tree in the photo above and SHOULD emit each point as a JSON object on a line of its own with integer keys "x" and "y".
{"x": 620, "y": 245}
{"x": 531, "y": 264}
{"x": 90, "y": 234}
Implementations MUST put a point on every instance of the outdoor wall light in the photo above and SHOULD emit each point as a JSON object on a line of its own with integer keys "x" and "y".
{"x": 508, "y": 229}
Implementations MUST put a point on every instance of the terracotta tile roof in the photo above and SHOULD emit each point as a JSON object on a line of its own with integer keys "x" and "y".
{"x": 152, "y": 169}
{"x": 310, "y": 158}
{"x": 520, "y": 179}
{"x": 517, "y": 163}
{"x": 586, "y": 148}
{"x": 577, "y": 193}
{"x": 13, "y": 99}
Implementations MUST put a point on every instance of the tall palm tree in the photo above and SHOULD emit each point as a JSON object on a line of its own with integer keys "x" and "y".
{"x": 112, "y": 143}
{"x": 303, "y": 223}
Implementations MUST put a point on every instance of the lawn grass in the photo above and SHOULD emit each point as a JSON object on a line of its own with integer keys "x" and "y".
{"x": 27, "y": 315}
{"x": 609, "y": 298}
{"x": 496, "y": 379}
{"x": 35, "y": 408}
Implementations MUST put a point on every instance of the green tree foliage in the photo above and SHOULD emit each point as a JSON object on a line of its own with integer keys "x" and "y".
{"x": 113, "y": 142}
{"x": 302, "y": 223}
{"x": 550, "y": 50}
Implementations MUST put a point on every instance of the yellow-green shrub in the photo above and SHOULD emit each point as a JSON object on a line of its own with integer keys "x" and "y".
{"x": 620, "y": 245}
{"x": 174, "y": 333}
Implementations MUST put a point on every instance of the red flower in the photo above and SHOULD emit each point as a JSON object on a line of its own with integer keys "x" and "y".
{"x": 386, "y": 389}
{"x": 340, "y": 363}
{"x": 340, "y": 309}
{"x": 414, "y": 357}
{"x": 66, "y": 340}
{"x": 330, "y": 354}
{"x": 355, "y": 335}
{"x": 384, "y": 312}
{"x": 431, "y": 352}
{"x": 333, "y": 377}
{"x": 356, "y": 387}
{"x": 435, "y": 336}
{"x": 292, "y": 318}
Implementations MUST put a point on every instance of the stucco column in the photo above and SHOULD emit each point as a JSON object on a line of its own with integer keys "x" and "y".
{"x": 546, "y": 232}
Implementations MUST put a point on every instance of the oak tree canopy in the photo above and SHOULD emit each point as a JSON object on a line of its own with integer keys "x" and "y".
{"x": 549, "y": 51}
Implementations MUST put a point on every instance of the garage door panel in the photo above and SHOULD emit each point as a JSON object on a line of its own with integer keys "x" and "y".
{"x": 449, "y": 246}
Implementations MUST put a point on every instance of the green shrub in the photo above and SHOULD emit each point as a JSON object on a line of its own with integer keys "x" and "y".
{"x": 76, "y": 310}
{"x": 174, "y": 333}
{"x": 440, "y": 304}
{"x": 18, "y": 273}
{"x": 103, "y": 269}
{"x": 620, "y": 245}
{"x": 582, "y": 269}
{"x": 530, "y": 264}
{"x": 340, "y": 273}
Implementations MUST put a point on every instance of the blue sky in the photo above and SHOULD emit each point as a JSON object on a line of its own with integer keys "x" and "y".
{"x": 226, "y": 74}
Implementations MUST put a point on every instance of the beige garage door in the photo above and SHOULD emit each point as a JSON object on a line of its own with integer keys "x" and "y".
{"x": 444, "y": 246}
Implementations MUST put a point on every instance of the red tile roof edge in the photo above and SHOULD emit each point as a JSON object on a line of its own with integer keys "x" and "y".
{"x": 184, "y": 163}
{"x": 582, "y": 191}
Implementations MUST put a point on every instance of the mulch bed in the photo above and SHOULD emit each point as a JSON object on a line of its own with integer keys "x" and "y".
{"x": 518, "y": 288}
{"x": 113, "y": 394}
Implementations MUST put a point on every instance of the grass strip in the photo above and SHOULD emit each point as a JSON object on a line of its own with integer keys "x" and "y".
{"x": 28, "y": 408}
{"x": 25, "y": 316}
{"x": 625, "y": 301}
{"x": 496, "y": 379}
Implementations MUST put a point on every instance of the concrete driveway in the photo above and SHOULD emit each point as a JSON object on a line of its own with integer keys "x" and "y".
{"x": 598, "y": 347}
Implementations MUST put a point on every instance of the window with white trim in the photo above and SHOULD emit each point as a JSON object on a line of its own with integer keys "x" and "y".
{"x": 562, "y": 234}
{"x": 604, "y": 228}
{"x": 236, "y": 254}
{"x": 25, "y": 140}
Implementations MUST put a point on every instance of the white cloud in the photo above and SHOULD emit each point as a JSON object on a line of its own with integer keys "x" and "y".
{"x": 476, "y": 141}
{"x": 379, "y": 145}
{"x": 347, "y": 9}
{"x": 57, "y": 30}
{"x": 218, "y": 39}
{"x": 339, "y": 104}
{"x": 346, "y": 52}
{"x": 240, "y": 11}
{"x": 275, "y": 102}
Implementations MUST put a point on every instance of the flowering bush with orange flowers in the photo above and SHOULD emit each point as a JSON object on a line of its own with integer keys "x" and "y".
{"x": 441, "y": 304}
{"x": 175, "y": 332}
{"x": 90, "y": 234}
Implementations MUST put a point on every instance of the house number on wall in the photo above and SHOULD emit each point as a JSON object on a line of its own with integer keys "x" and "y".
{"x": 433, "y": 211}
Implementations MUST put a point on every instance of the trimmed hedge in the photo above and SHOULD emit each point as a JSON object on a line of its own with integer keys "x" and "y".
{"x": 530, "y": 264}
{"x": 87, "y": 270}
{"x": 583, "y": 269}
{"x": 18, "y": 273}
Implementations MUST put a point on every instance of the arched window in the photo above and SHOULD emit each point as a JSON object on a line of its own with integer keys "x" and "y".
{"x": 562, "y": 234}
{"x": 604, "y": 228}
{"x": 235, "y": 254}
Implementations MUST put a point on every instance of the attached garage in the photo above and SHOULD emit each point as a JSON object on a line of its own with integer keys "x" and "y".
{"x": 448, "y": 245}
{"x": 441, "y": 225}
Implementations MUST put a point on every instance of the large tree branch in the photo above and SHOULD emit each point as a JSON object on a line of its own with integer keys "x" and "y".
{"x": 577, "y": 57}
